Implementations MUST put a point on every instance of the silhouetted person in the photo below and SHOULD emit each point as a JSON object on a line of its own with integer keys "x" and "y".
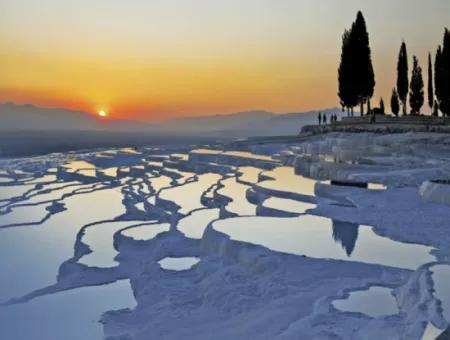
{"x": 320, "y": 118}
{"x": 324, "y": 118}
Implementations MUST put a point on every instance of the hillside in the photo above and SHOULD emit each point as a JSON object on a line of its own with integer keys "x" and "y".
{"x": 236, "y": 125}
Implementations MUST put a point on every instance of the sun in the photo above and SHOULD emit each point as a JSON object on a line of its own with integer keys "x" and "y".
{"x": 102, "y": 113}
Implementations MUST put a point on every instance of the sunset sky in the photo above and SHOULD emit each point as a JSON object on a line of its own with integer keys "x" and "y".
{"x": 153, "y": 60}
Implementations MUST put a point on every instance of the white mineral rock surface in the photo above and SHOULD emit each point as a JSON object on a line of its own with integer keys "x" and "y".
{"x": 229, "y": 242}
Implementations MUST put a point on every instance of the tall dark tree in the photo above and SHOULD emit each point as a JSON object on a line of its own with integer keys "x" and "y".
{"x": 435, "y": 109}
{"x": 446, "y": 59}
{"x": 442, "y": 74}
{"x": 362, "y": 63}
{"x": 430, "y": 83}
{"x": 438, "y": 73}
{"x": 347, "y": 93}
{"x": 395, "y": 105}
{"x": 382, "y": 109}
{"x": 402, "y": 76}
{"x": 416, "y": 95}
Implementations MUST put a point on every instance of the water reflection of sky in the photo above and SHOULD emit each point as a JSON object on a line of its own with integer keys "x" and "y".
{"x": 249, "y": 174}
{"x": 31, "y": 255}
{"x": 178, "y": 263}
{"x": 285, "y": 179}
{"x": 146, "y": 232}
{"x": 320, "y": 237}
{"x": 376, "y": 301}
{"x": 188, "y": 196}
{"x": 441, "y": 282}
{"x": 288, "y": 205}
{"x": 236, "y": 191}
{"x": 194, "y": 225}
{"x": 70, "y": 315}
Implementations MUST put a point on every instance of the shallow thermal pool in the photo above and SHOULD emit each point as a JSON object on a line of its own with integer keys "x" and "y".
{"x": 376, "y": 301}
{"x": 69, "y": 315}
{"x": 147, "y": 231}
{"x": 249, "y": 174}
{"x": 100, "y": 239}
{"x": 31, "y": 255}
{"x": 441, "y": 281}
{"x": 236, "y": 192}
{"x": 194, "y": 225}
{"x": 284, "y": 179}
{"x": 178, "y": 263}
{"x": 322, "y": 237}
{"x": 188, "y": 196}
{"x": 288, "y": 205}
{"x": 159, "y": 208}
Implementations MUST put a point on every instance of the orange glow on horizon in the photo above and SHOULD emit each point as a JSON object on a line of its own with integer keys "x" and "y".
{"x": 142, "y": 60}
{"x": 165, "y": 90}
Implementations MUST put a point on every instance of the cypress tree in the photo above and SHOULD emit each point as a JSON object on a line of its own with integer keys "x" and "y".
{"x": 402, "y": 76}
{"x": 438, "y": 73}
{"x": 444, "y": 77}
{"x": 435, "y": 109}
{"x": 382, "y": 109}
{"x": 362, "y": 62}
{"x": 355, "y": 73}
{"x": 416, "y": 95}
{"x": 430, "y": 83}
{"x": 395, "y": 105}
{"x": 347, "y": 94}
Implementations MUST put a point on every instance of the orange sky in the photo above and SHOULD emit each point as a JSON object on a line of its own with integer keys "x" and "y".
{"x": 148, "y": 90}
{"x": 153, "y": 60}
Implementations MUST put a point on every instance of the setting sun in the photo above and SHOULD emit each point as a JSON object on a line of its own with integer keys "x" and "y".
{"x": 102, "y": 113}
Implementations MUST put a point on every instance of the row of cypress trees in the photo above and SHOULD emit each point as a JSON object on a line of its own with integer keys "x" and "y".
{"x": 438, "y": 91}
{"x": 357, "y": 80}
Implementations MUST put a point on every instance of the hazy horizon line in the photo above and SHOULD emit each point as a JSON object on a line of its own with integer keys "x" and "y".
{"x": 229, "y": 113}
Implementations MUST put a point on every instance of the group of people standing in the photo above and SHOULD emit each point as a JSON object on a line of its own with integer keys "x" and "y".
{"x": 323, "y": 118}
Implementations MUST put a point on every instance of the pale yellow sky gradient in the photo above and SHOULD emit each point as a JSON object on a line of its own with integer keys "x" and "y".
{"x": 152, "y": 60}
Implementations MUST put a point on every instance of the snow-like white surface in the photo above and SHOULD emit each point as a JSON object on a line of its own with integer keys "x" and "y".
{"x": 435, "y": 192}
{"x": 247, "y": 243}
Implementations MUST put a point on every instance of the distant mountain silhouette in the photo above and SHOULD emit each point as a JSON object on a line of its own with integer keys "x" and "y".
{"x": 250, "y": 123}
{"x": 242, "y": 124}
{"x": 31, "y": 118}
{"x": 247, "y": 124}
{"x": 215, "y": 123}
